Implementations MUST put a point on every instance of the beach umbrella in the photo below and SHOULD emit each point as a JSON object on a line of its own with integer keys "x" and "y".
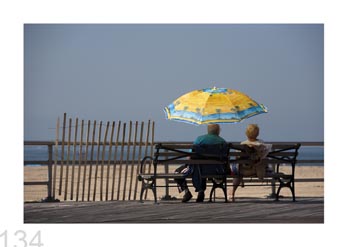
{"x": 213, "y": 105}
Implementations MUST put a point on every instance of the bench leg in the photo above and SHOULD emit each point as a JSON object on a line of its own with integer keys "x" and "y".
{"x": 146, "y": 186}
{"x": 154, "y": 190}
{"x": 225, "y": 192}
{"x": 278, "y": 193}
{"x": 293, "y": 191}
{"x": 141, "y": 194}
{"x": 289, "y": 184}
{"x": 211, "y": 194}
{"x": 216, "y": 185}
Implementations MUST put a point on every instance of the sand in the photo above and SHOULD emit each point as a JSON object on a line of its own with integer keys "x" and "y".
{"x": 39, "y": 173}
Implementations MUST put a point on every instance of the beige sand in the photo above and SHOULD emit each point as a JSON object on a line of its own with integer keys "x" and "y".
{"x": 37, "y": 192}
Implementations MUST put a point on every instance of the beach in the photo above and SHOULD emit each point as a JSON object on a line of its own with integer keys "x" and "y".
{"x": 127, "y": 185}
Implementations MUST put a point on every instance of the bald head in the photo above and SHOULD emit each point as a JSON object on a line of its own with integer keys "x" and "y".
{"x": 214, "y": 129}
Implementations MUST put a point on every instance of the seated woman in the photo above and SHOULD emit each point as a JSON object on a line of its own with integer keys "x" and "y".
{"x": 259, "y": 151}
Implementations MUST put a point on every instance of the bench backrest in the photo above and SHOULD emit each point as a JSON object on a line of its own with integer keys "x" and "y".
{"x": 280, "y": 154}
{"x": 174, "y": 154}
{"x": 212, "y": 152}
{"x": 191, "y": 154}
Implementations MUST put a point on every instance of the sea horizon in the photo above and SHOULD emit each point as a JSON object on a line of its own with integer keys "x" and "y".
{"x": 40, "y": 153}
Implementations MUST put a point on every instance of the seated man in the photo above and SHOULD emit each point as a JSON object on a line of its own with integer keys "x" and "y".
{"x": 212, "y": 138}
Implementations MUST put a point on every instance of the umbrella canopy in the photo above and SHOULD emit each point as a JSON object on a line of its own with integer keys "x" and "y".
{"x": 213, "y": 105}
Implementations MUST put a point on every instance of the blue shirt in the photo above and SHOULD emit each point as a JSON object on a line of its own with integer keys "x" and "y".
{"x": 209, "y": 139}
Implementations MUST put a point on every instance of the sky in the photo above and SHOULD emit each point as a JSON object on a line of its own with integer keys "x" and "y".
{"x": 113, "y": 72}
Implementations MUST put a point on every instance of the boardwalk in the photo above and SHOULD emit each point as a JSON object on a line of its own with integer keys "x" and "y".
{"x": 245, "y": 210}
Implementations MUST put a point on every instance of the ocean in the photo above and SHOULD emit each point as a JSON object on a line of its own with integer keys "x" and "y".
{"x": 40, "y": 153}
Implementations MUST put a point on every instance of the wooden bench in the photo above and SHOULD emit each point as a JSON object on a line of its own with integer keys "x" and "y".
{"x": 169, "y": 156}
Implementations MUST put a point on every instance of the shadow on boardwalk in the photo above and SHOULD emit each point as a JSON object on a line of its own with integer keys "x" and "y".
{"x": 245, "y": 210}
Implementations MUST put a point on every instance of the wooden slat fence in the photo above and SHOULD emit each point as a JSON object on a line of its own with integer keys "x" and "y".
{"x": 99, "y": 161}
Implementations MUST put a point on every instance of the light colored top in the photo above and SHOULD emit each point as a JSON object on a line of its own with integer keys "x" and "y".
{"x": 262, "y": 148}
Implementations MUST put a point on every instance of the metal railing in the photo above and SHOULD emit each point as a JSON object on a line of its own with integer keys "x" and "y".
{"x": 48, "y": 163}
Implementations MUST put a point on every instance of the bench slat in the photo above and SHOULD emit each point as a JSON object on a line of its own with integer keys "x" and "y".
{"x": 191, "y": 162}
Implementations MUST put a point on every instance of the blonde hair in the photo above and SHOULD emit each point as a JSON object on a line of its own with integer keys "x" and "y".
{"x": 214, "y": 129}
{"x": 252, "y": 131}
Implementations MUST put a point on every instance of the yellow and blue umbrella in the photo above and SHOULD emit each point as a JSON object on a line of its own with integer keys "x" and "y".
{"x": 213, "y": 105}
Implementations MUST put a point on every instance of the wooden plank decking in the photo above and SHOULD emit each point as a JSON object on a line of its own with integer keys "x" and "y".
{"x": 245, "y": 210}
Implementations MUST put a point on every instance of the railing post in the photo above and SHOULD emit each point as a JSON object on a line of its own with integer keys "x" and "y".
{"x": 167, "y": 195}
{"x": 273, "y": 188}
{"x": 273, "y": 182}
{"x": 49, "y": 170}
